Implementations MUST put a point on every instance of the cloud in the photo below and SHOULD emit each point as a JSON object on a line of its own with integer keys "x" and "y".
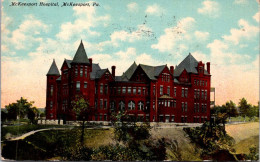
{"x": 27, "y": 33}
{"x": 240, "y": 2}
{"x": 175, "y": 35}
{"x": 210, "y": 8}
{"x": 81, "y": 27}
{"x": 154, "y": 10}
{"x": 132, "y": 7}
{"x": 141, "y": 32}
{"x": 130, "y": 52}
{"x": 257, "y": 16}
{"x": 202, "y": 36}
{"x": 246, "y": 31}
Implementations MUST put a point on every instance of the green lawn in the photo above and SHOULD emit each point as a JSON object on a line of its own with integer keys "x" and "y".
{"x": 244, "y": 145}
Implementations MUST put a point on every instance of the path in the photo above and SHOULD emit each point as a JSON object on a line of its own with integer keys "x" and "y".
{"x": 32, "y": 132}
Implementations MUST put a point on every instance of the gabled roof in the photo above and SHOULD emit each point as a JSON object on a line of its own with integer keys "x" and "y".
{"x": 68, "y": 62}
{"x": 95, "y": 69}
{"x": 53, "y": 69}
{"x": 190, "y": 64}
{"x": 100, "y": 73}
{"x": 152, "y": 71}
{"x": 129, "y": 72}
{"x": 81, "y": 55}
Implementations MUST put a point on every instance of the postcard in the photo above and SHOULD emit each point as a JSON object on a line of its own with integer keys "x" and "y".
{"x": 130, "y": 80}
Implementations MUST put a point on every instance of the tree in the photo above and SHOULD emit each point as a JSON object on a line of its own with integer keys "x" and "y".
{"x": 244, "y": 107}
{"x": 19, "y": 109}
{"x": 80, "y": 107}
{"x": 32, "y": 113}
{"x": 231, "y": 109}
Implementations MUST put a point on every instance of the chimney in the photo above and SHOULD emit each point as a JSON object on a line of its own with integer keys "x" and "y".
{"x": 90, "y": 61}
{"x": 172, "y": 69}
{"x": 208, "y": 67}
{"x": 113, "y": 71}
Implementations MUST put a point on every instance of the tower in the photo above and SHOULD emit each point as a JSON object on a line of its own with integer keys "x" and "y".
{"x": 51, "y": 95}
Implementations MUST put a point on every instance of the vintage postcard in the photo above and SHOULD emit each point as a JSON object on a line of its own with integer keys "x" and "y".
{"x": 174, "y": 80}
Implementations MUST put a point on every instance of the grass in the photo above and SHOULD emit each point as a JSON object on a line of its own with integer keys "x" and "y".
{"x": 242, "y": 119}
{"x": 188, "y": 151}
{"x": 244, "y": 145}
{"x": 97, "y": 137}
{"x": 245, "y": 135}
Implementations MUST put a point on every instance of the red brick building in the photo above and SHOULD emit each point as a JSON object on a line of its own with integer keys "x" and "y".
{"x": 154, "y": 93}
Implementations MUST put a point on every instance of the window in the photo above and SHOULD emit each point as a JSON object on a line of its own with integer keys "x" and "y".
{"x": 169, "y": 103}
{"x": 186, "y": 92}
{"x": 76, "y": 72}
{"x": 203, "y": 83}
{"x": 182, "y": 106}
{"x": 95, "y": 104}
{"x": 167, "y": 118}
{"x": 198, "y": 94}
{"x": 186, "y": 106}
{"x": 144, "y": 91}
{"x": 140, "y": 105}
{"x": 195, "y": 107}
{"x": 100, "y": 117}
{"x": 195, "y": 82}
{"x": 81, "y": 71}
{"x": 51, "y": 115}
{"x": 202, "y": 94}
{"x": 105, "y": 117}
{"x": 139, "y": 90}
{"x": 134, "y": 90}
{"x": 131, "y": 105}
{"x": 51, "y": 90}
{"x": 206, "y": 83}
{"x": 154, "y": 105}
{"x": 195, "y": 93}
{"x": 101, "y": 104}
{"x": 172, "y": 120}
{"x": 51, "y": 104}
{"x": 147, "y": 106}
{"x": 175, "y": 90}
{"x": 205, "y": 108}
{"x": 168, "y": 90}
{"x": 121, "y": 105}
{"x": 129, "y": 89}
{"x": 174, "y": 104}
{"x": 78, "y": 86}
{"x": 101, "y": 89}
{"x": 182, "y": 92}
{"x": 119, "y": 90}
{"x": 105, "y": 104}
{"x": 112, "y": 105}
{"x": 161, "y": 90}
{"x": 86, "y": 71}
{"x": 85, "y": 84}
{"x": 154, "y": 90}
{"x": 205, "y": 94}
{"x": 106, "y": 89}
{"x": 165, "y": 103}
{"x": 124, "y": 90}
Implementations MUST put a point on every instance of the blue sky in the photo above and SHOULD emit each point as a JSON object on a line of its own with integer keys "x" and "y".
{"x": 225, "y": 33}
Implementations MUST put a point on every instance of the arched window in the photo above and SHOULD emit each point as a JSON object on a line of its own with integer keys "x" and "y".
{"x": 140, "y": 105}
{"x": 121, "y": 105}
{"x": 131, "y": 105}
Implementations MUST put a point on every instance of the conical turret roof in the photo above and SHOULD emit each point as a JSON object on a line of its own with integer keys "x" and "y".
{"x": 81, "y": 55}
{"x": 53, "y": 69}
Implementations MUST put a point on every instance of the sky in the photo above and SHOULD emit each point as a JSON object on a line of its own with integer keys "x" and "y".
{"x": 114, "y": 32}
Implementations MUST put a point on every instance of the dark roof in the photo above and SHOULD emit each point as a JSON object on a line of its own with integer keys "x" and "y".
{"x": 95, "y": 69}
{"x": 100, "y": 73}
{"x": 129, "y": 72}
{"x": 68, "y": 62}
{"x": 190, "y": 64}
{"x": 81, "y": 55}
{"x": 118, "y": 78}
{"x": 59, "y": 79}
{"x": 53, "y": 69}
{"x": 152, "y": 71}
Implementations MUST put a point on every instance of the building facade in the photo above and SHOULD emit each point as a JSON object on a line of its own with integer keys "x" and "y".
{"x": 152, "y": 93}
